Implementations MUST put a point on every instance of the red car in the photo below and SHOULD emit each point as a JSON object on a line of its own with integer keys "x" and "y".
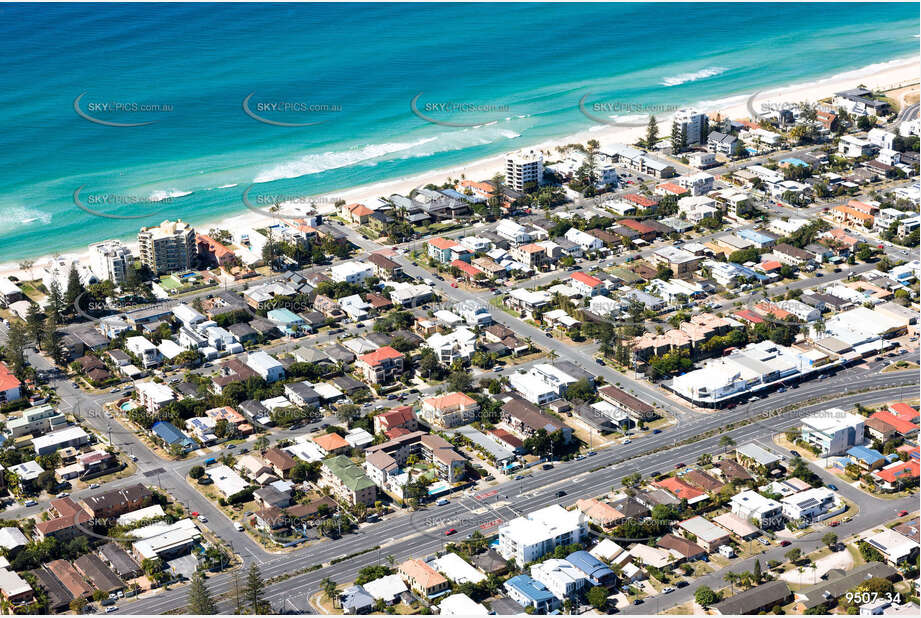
{"x": 834, "y": 524}
{"x": 453, "y": 285}
{"x": 450, "y": 531}
{"x": 784, "y": 543}
{"x": 903, "y": 513}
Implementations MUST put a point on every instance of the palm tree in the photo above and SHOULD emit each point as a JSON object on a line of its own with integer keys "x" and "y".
{"x": 552, "y": 355}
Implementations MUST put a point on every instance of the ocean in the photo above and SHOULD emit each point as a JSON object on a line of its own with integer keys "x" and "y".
{"x": 316, "y": 98}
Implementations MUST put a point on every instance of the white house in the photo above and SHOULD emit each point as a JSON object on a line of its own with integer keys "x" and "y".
{"x": 266, "y": 366}
{"x": 560, "y": 577}
{"x": 351, "y": 272}
{"x": 529, "y": 537}
{"x": 583, "y": 239}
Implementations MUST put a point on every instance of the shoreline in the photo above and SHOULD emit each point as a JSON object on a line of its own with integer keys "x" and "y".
{"x": 875, "y": 76}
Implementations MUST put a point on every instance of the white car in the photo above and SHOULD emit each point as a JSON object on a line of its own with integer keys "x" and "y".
{"x": 111, "y": 608}
{"x": 203, "y": 519}
{"x": 238, "y": 526}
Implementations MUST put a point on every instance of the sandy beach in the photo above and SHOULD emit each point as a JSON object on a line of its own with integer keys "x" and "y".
{"x": 885, "y": 76}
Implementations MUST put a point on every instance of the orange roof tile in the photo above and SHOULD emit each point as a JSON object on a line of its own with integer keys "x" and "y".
{"x": 331, "y": 442}
{"x": 379, "y": 355}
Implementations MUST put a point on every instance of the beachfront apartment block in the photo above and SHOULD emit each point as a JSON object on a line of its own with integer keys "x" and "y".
{"x": 833, "y": 431}
{"x": 527, "y": 538}
{"x": 110, "y": 260}
{"x": 694, "y": 124}
{"x": 523, "y": 168}
{"x": 169, "y": 247}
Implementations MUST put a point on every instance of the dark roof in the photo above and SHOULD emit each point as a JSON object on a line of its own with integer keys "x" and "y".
{"x": 59, "y": 597}
{"x": 703, "y": 480}
{"x": 93, "y": 568}
{"x": 733, "y": 470}
{"x": 116, "y": 499}
{"x": 686, "y": 548}
{"x": 755, "y": 599}
{"x": 631, "y": 508}
{"x": 121, "y": 561}
{"x": 836, "y": 587}
{"x": 490, "y": 562}
{"x": 628, "y": 401}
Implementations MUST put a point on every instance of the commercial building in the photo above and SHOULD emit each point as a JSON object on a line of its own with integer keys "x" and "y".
{"x": 169, "y": 247}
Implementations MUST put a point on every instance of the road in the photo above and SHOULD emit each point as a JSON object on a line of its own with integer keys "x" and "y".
{"x": 423, "y": 533}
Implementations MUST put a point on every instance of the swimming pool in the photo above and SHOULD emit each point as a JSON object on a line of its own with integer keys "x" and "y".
{"x": 795, "y": 161}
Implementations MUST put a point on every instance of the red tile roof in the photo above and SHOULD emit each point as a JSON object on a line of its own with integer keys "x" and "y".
{"x": 901, "y": 425}
{"x": 897, "y": 471}
{"x": 771, "y": 265}
{"x": 442, "y": 243}
{"x": 750, "y": 316}
{"x": 904, "y": 411}
{"x": 7, "y": 380}
{"x": 642, "y": 200}
{"x": 679, "y": 488}
{"x": 466, "y": 268}
{"x": 587, "y": 279}
{"x": 379, "y": 355}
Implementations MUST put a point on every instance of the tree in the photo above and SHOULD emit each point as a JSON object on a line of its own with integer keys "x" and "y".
{"x": 197, "y": 472}
{"x": 726, "y": 442}
{"x": 200, "y": 601}
{"x": 598, "y": 597}
{"x": 460, "y": 381}
{"x": 74, "y": 287}
{"x": 756, "y": 573}
{"x": 830, "y": 539}
{"x": 254, "y": 590}
{"x": 679, "y": 138}
{"x": 704, "y": 597}
{"x": 35, "y": 324}
{"x": 78, "y": 604}
{"x": 55, "y": 302}
{"x": 652, "y": 132}
{"x": 52, "y": 342}
{"x": 330, "y": 589}
{"x": 794, "y": 554}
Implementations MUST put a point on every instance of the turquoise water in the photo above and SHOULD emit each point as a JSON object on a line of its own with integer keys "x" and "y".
{"x": 531, "y": 63}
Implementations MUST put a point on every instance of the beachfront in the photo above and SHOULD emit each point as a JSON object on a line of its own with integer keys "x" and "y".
{"x": 878, "y": 76}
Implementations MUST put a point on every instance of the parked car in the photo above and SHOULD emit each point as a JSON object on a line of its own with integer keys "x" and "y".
{"x": 238, "y": 526}
{"x": 441, "y": 502}
{"x": 832, "y": 487}
{"x": 656, "y": 431}
{"x": 784, "y": 543}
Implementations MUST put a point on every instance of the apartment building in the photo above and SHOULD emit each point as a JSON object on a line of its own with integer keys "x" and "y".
{"x": 169, "y": 247}
{"x": 110, "y": 260}
{"x": 524, "y": 168}
{"x": 347, "y": 480}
